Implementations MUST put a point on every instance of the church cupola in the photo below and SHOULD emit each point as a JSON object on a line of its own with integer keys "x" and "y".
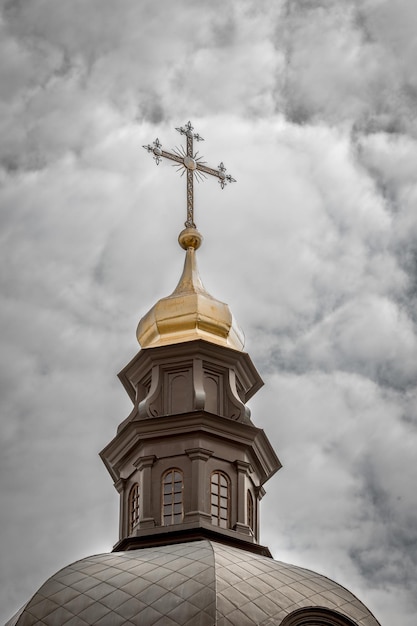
{"x": 188, "y": 462}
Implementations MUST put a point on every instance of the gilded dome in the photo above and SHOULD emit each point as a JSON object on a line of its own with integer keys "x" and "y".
{"x": 189, "y": 312}
{"x": 194, "y": 583}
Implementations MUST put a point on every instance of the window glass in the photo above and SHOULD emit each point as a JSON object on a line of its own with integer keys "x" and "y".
{"x": 250, "y": 511}
{"x": 220, "y": 500}
{"x": 133, "y": 507}
{"x": 172, "y": 506}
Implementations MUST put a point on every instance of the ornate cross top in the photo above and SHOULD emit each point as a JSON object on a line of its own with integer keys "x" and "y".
{"x": 190, "y": 162}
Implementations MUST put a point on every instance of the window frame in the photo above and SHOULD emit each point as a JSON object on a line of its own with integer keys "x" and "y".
{"x": 250, "y": 511}
{"x": 133, "y": 509}
{"x": 174, "y": 494}
{"x": 217, "y": 496}
{"x": 317, "y": 616}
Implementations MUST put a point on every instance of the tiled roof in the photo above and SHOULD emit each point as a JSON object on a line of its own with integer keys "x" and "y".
{"x": 200, "y": 583}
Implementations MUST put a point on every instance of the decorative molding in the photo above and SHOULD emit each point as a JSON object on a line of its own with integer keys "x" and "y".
{"x": 147, "y": 407}
{"x": 259, "y": 492}
{"x": 199, "y": 453}
{"x": 243, "y": 528}
{"x": 199, "y": 394}
{"x": 145, "y": 461}
{"x": 243, "y": 467}
{"x": 237, "y": 409}
{"x": 120, "y": 485}
{"x": 314, "y": 616}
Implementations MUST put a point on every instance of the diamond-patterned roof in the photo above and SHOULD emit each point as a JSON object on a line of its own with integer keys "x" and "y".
{"x": 200, "y": 583}
{"x": 253, "y": 589}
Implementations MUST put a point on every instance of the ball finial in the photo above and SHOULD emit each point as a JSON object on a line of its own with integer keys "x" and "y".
{"x": 190, "y": 238}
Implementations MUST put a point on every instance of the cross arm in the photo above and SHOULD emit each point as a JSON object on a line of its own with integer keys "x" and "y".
{"x": 172, "y": 156}
{"x": 208, "y": 170}
{"x": 219, "y": 173}
{"x": 158, "y": 153}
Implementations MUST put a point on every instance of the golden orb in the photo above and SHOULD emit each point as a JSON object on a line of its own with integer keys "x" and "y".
{"x": 190, "y": 238}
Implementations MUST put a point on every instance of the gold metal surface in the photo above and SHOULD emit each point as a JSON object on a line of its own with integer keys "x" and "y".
{"x": 189, "y": 312}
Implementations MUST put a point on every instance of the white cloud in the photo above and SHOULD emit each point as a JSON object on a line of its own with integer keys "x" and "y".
{"x": 310, "y": 105}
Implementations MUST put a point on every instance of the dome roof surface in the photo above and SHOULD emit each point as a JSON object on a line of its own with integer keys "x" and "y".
{"x": 195, "y": 583}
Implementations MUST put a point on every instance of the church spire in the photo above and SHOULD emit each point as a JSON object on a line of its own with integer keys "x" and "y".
{"x": 190, "y": 312}
{"x": 188, "y": 462}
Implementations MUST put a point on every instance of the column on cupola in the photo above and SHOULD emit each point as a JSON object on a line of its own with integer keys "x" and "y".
{"x": 199, "y": 504}
{"x": 259, "y": 494}
{"x": 244, "y": 469}
{"x": 144, "y": 465}
{"x": 120, "y": 486}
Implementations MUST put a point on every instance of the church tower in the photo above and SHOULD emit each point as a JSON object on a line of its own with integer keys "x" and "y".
{"x": 189, "y": 466}
{"x": 188, "y": 461}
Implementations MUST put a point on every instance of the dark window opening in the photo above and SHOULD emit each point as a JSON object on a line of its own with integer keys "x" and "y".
{"x": 172, "y": 505}
{"x": 220, "y": 500}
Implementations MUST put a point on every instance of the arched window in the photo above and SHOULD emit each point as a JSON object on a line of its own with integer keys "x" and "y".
{"x": 172, "y": 507}
{"x": 220, "y": 500}
{"x": 317, "y": 616}
{"x": 250, "y": 512}
{"x": 133, "y": 507}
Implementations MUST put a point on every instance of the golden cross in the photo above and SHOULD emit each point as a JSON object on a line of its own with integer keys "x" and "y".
{"x": 190, "y": 162}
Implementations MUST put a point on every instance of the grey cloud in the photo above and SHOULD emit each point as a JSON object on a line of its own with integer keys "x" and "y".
{"x": 347, "y": 72}
{"x": 69, "y": 68}
{"x": 314, "y": 249}
{"x": 396, "y": 556}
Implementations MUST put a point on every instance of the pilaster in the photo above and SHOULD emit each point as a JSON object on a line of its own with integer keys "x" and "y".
{"x": 199, "y": 509}
{"x": 243, "y": 470}
{"x": 144, "y": 465}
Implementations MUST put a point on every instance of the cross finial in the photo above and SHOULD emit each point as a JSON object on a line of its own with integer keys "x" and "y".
{"x": 190, "y": 162}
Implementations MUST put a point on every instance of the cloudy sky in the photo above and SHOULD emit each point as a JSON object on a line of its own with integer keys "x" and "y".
{"x": 312, "y": 107}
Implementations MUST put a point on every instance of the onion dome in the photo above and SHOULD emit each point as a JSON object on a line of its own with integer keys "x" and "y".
{"x": 196, "y": 582}
{"x": 189, "y": 312}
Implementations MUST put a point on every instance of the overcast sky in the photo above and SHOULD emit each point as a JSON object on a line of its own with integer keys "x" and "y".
{"x": 312, "y": 107}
